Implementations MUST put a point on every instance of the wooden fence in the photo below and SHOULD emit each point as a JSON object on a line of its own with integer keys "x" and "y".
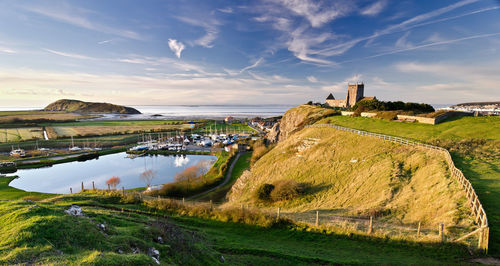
{"x": 473, "y": 200}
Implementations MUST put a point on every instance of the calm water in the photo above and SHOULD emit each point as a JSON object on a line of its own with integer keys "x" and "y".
{"x": 60, "y": 177}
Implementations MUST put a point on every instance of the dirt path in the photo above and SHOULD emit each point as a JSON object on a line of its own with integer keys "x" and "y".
{"x": 226, "y": 180}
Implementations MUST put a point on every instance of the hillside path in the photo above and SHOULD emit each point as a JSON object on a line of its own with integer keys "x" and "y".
{"x": 226, "y": 180}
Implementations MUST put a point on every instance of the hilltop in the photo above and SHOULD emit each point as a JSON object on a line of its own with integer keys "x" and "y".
{"x": 89, "y": 107}
{"x": 357, "y": 175}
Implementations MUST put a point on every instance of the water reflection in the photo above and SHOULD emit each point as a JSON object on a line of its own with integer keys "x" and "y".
{"x": 60, "y": 177}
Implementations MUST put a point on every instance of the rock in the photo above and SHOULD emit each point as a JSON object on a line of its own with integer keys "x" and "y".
{"x": 274, "y": 134}
{"x": 102, "y": 227}
{"x": 159, "y": 240}
{"x": 135, "y": 250}
{"x": 155, "y": 254}
{"x": 222, "y": 259}
{"x": 29, "y": 201}
{"x": 74, "y": 210}
{"x": 119, "y": 250}
{"x": 32, "y": 207}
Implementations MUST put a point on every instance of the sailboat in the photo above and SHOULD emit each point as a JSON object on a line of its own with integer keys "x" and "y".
{"x": 73, "y": 147}
{"x": 17, "y": 152}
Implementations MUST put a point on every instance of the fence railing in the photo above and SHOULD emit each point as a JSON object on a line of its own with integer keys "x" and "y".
{"x": 477, "y": 209}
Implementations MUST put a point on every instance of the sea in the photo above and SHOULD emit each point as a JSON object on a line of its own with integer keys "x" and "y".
{"x": 183, "y": 112}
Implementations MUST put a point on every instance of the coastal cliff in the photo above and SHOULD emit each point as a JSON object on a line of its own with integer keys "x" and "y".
{"x": 295, "y": 119}
{"x": 89, "y": 107}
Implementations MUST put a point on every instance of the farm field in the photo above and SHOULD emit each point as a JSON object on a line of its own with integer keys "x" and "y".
{"x": 68, "y": 131}
{"x": 20, "y": 134}
{"x": 13, "y": 117}
{"x": 474, "y": 143}
{"x": 223, "y": 128}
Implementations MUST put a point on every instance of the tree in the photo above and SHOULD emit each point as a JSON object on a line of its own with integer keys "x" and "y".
{"x": 147, "y": 177}
{"x": 189, "y": 174}
{"x": 113, "y": 181}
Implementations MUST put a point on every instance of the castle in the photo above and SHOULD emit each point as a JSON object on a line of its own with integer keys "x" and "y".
{"x": 355, "y": 93}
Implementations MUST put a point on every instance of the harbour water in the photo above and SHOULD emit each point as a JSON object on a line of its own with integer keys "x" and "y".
{"x": 60, "y": 177}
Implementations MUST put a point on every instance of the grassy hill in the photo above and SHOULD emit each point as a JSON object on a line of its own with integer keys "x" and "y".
{"x": 357, "y": 175}
{"x": 474, "y": 143}
{"x": 89, "y": 107}
{"x": 36, "y": 230}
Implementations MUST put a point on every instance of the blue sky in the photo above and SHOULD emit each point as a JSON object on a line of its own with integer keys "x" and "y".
{"x": 248, "y": 52}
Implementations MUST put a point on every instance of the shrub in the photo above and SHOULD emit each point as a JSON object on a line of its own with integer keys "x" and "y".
{"x": 259, "y": 150}
{"x": 113, "y": 181}
{"x": 286, "y": 190}
{"x": 387, "y": 115}
{"x": 264, "y": 192}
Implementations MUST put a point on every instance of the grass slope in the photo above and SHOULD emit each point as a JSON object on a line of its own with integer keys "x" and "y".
{"x": 474, "y": 143}
{"x": 357, "y": 175}
{"x": 41, "y": 233}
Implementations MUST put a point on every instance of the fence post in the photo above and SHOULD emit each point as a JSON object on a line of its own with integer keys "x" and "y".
{"x": 70, "y": 191}
{"x": 93, "y": 186}
{"x": 278, "y": 214}
{"x": 182, "y": 201}
{"x": 370, "y": 228}
{"x": 418, "y": 229}
{"x": 82, "y": 187}
{"x": 441, "y": 233}
{"x": 317, "y": 218}
{"x": 123, "y": 191}
{"x": 109, "y": 189}
{"x": 211, "y": 205}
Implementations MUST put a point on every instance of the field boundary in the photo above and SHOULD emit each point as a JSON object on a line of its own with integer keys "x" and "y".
{"x": 472, "y": 199}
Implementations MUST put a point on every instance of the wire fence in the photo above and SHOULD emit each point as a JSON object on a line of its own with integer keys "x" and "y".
{"x": 477, "y": 209}
{"x": 369, "y": 225}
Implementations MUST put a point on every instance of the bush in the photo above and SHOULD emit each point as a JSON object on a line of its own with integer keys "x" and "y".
{"x": 259, "y": 150}
{"x": 286, "y": 190}
{"x": 264, "y": 192}
{"x": 387, "y": 115}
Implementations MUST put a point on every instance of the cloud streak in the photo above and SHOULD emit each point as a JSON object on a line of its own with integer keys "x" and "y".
{"x": 176, "y": 47}
{"x": 76, "y": 17}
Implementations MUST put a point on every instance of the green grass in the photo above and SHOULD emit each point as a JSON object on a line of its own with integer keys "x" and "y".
{"x": 453, "y": 129}
{"x": 219, "y": 195}
{"x": 480, "y": 164}
{"x": 10, "y": 193}
{"x": 41, "y": 233}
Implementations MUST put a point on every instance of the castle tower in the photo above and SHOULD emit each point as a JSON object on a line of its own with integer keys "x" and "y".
{"x": 355, "y": 92}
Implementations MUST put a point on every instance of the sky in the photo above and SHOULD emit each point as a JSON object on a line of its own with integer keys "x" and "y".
{"x": 161, "y": 52}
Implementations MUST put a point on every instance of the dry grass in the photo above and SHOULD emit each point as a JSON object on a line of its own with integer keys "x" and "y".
{"x": 68, "y": 131}
{"x": 49, "y": 116}
{"x": 20, "y": 134}
{"x": 358, "y": 175}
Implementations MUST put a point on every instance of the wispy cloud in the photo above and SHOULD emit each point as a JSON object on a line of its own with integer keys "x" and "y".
{"x": 417, "y": 47}
{"x": 122, "y": 89}
{"x": 226, "y": 10}
{"x": 209, "y": 25}
{"x": 105, "y": 41}
{"x": 414, "y": 22}
{"x": 233, "y": 72}
{"x": 176, "y": 47}
{"x": 71, "y": 55}
{"x": 77, "y": 17}
{"x": 461, "y": 78}
{"x": 316, "y": 12}
{"x": 342, "y": 85}
{"x": 374, "y": 9}
{"x": 7, "y": 50}
{"x": 312, "y": 79}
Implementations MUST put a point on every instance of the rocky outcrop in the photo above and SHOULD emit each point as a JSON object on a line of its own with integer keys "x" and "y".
{"x": 295, "y": 119}
{"x": 89, "y": 107}
{"x": 274, "y": 134}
